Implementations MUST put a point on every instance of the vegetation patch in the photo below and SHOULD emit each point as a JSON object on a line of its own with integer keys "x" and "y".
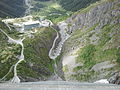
{"x": 90, "y": 54}
{"x": 50, "y": 10}
{"x": 37, "y": 62}
{"x": 36, "y": 52}
{"x": 77, "y": 68}
{"x": 87, "y": 56}
{"x": 74, "y": 5}
{"x": 105, "y": 34}
{"x": 8, "y": 53}
{"x": 118, "y": 55}
{"x": 85, "y": 76}
{"x": 65, "y": 68}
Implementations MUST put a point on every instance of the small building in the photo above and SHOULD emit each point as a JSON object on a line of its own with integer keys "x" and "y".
{"x": 46, "y": 23}
{"x": 27, "y": 25}
{"x": 31, "y": 25}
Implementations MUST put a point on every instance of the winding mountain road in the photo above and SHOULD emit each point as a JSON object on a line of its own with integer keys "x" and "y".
{"x": 55, "y": 52}
{"x": 16, "y": 79}
{"x": 52, "y": 48}
{"x": 21, "y": 58}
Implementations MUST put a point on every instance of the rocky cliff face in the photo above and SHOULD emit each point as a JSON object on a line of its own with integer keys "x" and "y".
{"x": 92, "y": 52}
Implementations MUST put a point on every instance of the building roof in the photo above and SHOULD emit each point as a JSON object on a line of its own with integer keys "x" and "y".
{"x": 30, "y": 22}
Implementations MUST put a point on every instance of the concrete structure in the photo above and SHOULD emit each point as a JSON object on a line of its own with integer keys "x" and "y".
{"x": 46, "y": 23}
{"x": 15, "y": 20}
{"x": 27, "y": 25}
{"x": 21, "y": 26}
{"x": 58, "y": 85}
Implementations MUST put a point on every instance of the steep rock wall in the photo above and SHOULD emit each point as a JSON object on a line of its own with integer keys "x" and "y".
{"x": 94, "y": 40}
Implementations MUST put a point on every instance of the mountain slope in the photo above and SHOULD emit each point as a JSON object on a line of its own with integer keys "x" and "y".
{"x": 92, "y": 52}
{"x": 74, "y": 5}
{"x": 37, "y": 65}
{"x": 12, "y": 8}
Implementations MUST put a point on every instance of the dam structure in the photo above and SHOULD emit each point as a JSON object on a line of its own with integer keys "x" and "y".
{"x": 58, "y": 85}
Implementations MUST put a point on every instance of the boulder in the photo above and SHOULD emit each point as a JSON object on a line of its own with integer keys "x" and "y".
{"x": 115, "y": 79}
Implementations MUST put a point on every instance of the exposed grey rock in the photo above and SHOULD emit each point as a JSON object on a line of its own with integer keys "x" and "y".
{"x": 89, "y": 27}
{"x": 54, "y": 78}
{"x": 115, "y": 79}
{"x": 102, "y": 65}
{"x": 102, "y": 14}
{"x": 115, "y": 21}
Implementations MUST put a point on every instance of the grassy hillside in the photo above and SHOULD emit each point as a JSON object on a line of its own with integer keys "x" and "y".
{"x": 74, "y": 5}
{"x": 8, "y": 53}
{"x": 105, "y": 50}
{"x": 49, "y": 9}
{"x": 58, "y": 10}
{"x": 55, "y": 10}
{"x": 37, "y": 65}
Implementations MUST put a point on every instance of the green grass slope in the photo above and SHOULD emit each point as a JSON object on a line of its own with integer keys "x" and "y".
{"x": 75, "y": 5}
{"x": 37, "y": 65}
